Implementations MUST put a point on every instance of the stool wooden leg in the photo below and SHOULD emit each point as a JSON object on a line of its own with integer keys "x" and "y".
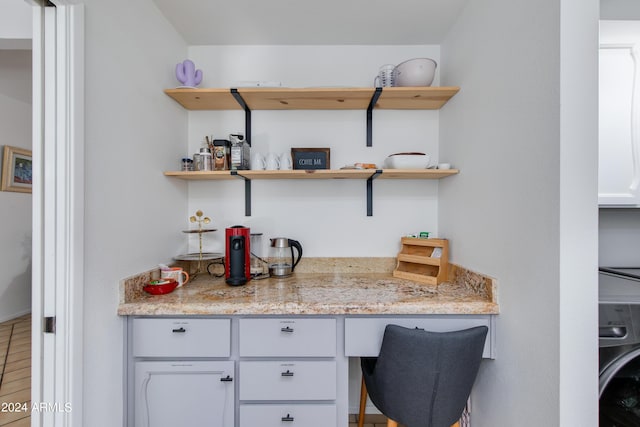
{"x": 391, "y": 423}
{"x": 457, "y": 424}
{"x": 363, "y": 402}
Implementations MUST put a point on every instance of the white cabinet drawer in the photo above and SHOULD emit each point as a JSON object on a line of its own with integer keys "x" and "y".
{"x": 293, "y": 415}
{"x": 287, "y": 337}
{"x": 181, "y": 337}
{"x": 363, "y": 336}
{"x": 287, "y": 380}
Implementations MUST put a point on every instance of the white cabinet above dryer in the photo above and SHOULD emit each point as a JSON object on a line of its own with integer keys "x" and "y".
{"x": 619, "y": 123}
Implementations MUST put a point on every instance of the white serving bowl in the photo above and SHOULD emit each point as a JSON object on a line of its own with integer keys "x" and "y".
{"x": 415, "y": 72}
{"x": 407, "y": 161}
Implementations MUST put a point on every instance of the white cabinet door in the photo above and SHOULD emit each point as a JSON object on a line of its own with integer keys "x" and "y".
{"x": 619, "y": 123}
{"x": 193, "y": 393}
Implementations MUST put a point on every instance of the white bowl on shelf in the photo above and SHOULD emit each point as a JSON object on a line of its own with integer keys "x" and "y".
{"x": 407, "y": 161}
{"x": 415, "y": 72}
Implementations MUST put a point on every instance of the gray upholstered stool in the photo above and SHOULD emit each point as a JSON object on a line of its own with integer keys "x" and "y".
{"x": 422, "y": 378}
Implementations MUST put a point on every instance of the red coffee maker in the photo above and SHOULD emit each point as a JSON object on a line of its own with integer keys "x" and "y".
{"x": 237, "y": 258}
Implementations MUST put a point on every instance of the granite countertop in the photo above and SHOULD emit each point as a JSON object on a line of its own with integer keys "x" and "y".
{"x": 346, "y": 291}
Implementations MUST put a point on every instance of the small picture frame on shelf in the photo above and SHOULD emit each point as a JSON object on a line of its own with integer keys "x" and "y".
{"x": 16, "y": 170}
{"x": 311, "y": 158}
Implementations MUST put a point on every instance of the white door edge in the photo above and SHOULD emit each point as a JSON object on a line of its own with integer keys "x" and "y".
{"x": 58, "y": 214}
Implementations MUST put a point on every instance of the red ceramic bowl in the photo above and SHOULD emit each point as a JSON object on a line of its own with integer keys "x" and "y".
{"x": 162, "y": 288}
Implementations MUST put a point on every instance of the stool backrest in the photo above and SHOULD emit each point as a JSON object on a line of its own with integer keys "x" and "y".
{"x": 422, "y": 378}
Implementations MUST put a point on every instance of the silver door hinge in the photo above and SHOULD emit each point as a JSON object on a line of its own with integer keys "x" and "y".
{"x": 50, "y": 325}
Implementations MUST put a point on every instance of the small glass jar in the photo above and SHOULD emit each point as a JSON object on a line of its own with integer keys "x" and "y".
{"x": 187, "y": 164}
{"x": 197, "y": 162}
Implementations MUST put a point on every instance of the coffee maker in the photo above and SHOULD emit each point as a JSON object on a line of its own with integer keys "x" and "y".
{"x": 237, "y": 255}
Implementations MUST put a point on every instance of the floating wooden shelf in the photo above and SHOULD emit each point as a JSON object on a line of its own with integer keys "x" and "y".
{"x": 315, "y": 174}
{"x": 396, "y": 98}
{"x": 367, "y": 99}
{"x": 417, "y": 263}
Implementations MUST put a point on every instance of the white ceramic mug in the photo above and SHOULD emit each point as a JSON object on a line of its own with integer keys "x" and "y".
{"x": 285, "y": 161}
{"x": 257, "y": 161}
{"x": 175, "y": 273}
{"x": 272, "y": 162}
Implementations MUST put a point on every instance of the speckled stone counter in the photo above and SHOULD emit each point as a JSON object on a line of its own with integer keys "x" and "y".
{"x": 345, "y": 287}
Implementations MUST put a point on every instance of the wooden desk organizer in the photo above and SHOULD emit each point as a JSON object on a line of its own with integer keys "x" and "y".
{"x": 415, "y": 261}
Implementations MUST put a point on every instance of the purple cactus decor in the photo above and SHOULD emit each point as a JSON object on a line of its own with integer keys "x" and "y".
{"x": 187, "y": 74}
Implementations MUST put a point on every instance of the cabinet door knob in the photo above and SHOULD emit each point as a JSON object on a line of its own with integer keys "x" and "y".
{"x": 286, "y": 329}
{"x": 179, "y": 330}
{"x": 226, "y": 379}
{"x": 287, "y": 418}
{"x": 287, "y": 374}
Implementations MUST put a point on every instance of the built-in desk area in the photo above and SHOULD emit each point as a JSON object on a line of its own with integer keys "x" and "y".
{"x": 246, "y": 356}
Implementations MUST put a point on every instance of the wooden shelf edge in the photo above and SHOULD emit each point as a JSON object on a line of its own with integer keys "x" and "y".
{"x": 314, "y": 174}
{"x": 312, "y": 98}
{"x": 201, "y": 175}
{"x": 417, "y": 173}
{"x": 308, "y": 174}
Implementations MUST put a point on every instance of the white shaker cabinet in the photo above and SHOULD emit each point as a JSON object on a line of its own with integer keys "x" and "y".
{"x": 180, "y": 393}
{"x": 619, "y": 117}
{"x": 176, "y": 382}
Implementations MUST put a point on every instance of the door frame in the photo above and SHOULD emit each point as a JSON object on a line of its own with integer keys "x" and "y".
{"x": 58, "y": 214}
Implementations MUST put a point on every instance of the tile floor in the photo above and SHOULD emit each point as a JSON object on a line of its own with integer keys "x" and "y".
{"x": 15, "y": 377}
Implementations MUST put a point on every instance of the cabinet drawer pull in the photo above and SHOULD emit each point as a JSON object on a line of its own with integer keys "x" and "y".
{"x": 287, "y": 418}
{"x": 287, "y": 374}
{"x": 226, "y": 379}
{"x": 286, "y": 329}
{"x": 179, "y": 330}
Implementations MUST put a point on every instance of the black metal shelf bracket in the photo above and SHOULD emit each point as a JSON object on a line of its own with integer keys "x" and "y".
{"x": 247, "y": 114}
{"x": 247, "y": 192}
{"x": 376, "y": 174}
{"x": 372, "y": 104}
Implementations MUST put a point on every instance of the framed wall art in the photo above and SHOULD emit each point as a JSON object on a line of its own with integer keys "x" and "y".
{"x": 16, "y": 170}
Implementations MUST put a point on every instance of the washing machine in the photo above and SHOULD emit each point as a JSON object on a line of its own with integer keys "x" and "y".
{"x": 619, "y": 346}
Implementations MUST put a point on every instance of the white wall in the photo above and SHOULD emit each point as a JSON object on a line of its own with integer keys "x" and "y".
{"x": 15, "y": 208}
{"x": 327, "y": 217}
{"x": 15, "y": 24}
{"x": 512, "y": 204}
{"x": 133, "y": 214}
{"x": 619, "y": 9}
